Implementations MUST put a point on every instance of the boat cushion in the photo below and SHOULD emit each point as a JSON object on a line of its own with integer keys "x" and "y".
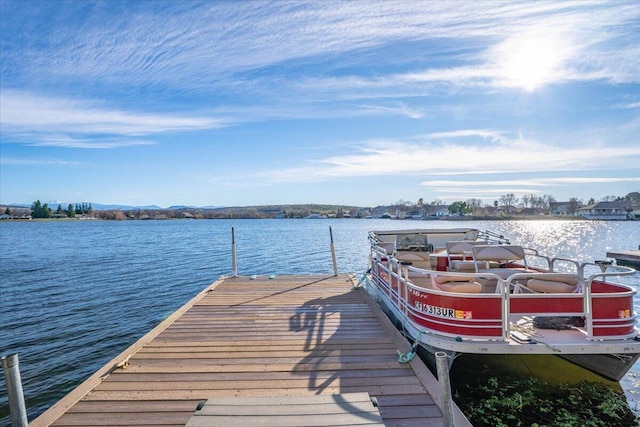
{"x": 571, "y": 279}
{"x": 551, "y": 286}
{"x": 471, "y": 265}
{"x": 461, "y": 287}
{"x": 440, "y": 279}
{"x": 504, "y": 273}
{"x": 417, "y": 259}
{"x": 497, "y": 252}
{"x": 453, "y": 283}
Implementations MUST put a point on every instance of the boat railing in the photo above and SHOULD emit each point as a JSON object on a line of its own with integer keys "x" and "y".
{"x": 378, "y": 253}
{"x": 492, "y": 237}
{"x": 536, "y": 260}
{"x": 607, "y": 269}
{"x": 520, "y": 298}
{"x": 399, "y": 275}
{"x": 559, "y": 263}
{"x": 598, "y": 326}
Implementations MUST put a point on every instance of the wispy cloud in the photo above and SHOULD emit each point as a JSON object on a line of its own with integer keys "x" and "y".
{"x": 437, "y": 154}
{"x": 218, "y": 46}
{"x": 93, "y": 143}
{"x": 399, "y": 108}
{"x": 531, "y": 182}
{"x": 9, "y": 161}
{"x": 228, "y": 52}
{"x": 484, "y": 134}
{"x": 537, "y": 184}
{"x": 67, "y": 123}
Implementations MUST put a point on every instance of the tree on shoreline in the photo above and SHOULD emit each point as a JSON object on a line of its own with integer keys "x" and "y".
{"x": 82, "y": 208}
{"x": 38, "y": 210}
{"x": 460, "y": 208}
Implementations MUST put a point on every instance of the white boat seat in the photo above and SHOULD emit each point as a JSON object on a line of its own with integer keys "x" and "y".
{"x": 417, "y": 259}
{"x": 461, "y": 284}
{"x": 462, "y": 249}
{"x": 469, "y": 265}
{"x": 504, "y": 273}
{"x": 554, "y": 283}
{"x": 498, "y": 253}
{"x": 461, "y": 287}
{"x": 501, "y": 254}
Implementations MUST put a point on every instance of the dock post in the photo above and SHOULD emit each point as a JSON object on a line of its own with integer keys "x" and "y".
{"x": 442, "y": 367}
{"x": 233, "y": 253}
{"x": 333, "y": 253}
{"x": 17, "y": 407}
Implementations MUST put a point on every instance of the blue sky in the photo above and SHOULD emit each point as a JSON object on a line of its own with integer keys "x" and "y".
{"x": 361, "y": 103}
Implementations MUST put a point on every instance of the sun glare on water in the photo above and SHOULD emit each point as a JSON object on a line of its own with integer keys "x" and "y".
{"x": 529, "y": 61}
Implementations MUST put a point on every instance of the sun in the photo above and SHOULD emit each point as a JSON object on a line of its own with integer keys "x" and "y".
{"x": 531, "y": 66}
{"x": 529, "y": 61}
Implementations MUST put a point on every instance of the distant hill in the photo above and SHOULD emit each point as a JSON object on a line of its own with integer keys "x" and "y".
{"x": 100, "y": 207}
{"x": 184, "y": 207}
{"x": 53, "y": 205}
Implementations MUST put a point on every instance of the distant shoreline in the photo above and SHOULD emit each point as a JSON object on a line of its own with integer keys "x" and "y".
{"x": 451, "y": 219}
{"x": 309, "y": 211}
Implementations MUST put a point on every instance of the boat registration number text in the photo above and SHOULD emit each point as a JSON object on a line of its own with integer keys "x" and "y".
{"x": 450, "y": 313}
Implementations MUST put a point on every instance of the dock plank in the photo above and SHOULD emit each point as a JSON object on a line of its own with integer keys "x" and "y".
{"x": 282, "y": 339}
{"x": 318, "y": 410}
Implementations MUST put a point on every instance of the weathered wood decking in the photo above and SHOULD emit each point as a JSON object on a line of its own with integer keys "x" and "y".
{"x": 289, "y": 336}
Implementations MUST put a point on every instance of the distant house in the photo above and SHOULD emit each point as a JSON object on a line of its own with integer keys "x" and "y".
{"x": 316, "y": 215}
{"x": 436, "y": 210}
{"x": 5, "y": 216}
{"x": 561, "y": 208}
{"x": 486, "y": 211}
{"x": 364, "y": 213}
{"x": 530, "y": 211}
{"x": 607, "y": 211}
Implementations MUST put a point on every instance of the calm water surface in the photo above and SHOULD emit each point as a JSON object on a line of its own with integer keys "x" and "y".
{"x": 74, "y": 294}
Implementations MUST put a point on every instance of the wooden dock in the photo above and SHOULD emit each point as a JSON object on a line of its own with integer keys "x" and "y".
{"x": 290, "y": 350}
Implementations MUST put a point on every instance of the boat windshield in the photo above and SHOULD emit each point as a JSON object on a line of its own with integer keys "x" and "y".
{"x": 413, "y": 242}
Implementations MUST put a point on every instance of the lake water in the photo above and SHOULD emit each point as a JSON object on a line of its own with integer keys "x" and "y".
{"x": 74, "y": 294}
